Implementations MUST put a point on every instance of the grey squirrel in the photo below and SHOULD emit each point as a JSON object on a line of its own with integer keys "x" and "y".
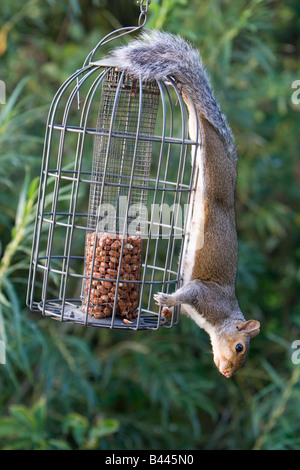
{"x": 208, "y": 293}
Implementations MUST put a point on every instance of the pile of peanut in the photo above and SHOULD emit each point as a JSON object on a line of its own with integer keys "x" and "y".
{"x": 107, "y": 262}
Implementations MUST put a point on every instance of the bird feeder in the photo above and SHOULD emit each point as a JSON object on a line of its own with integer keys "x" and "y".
{"x": 116, "y": 181}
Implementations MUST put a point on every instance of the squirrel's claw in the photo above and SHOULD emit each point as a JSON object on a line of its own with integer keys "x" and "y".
{"x": 163, "y": 299}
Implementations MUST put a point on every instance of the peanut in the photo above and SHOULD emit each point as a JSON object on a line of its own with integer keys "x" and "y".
{"x": 107, "y": 263}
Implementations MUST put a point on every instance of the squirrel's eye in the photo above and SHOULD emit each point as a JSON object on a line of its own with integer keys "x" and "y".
{"x": 239, "y": 348}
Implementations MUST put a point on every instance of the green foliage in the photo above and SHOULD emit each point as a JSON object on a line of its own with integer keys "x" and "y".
{"x": 66, "y": 387}
{"x": 26, "y": 429}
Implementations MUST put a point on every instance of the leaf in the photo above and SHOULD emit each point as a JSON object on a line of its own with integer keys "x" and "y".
{"x": 58, "y": 444}
{"x": 39, "y": 413}
{"x": 77, "y": 425}
{"x": 12, "y": 100}
{"x": 3, "y": 38}
{"x": 104, "y": 427}
{"x": 9, "y": 427}
{"x": 22, "y": 204}
{"x": 23, "y": 416}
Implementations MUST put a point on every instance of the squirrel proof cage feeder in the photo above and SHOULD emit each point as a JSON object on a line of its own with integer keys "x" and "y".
{"x": 116, "y": 179}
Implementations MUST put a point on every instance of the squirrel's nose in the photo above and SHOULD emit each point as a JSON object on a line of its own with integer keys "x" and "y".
{"x": 226, "y": 373}
{"x": 226, "y": 368}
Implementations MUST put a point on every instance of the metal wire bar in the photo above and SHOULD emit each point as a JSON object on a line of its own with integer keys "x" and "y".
{"x": 134, "y": 164}
{"x": 74, "y": 198}
{"x": 134, "y": 159}
{"x": 178, "y": 194}
{"x": 182, "y": 187}
{"x": 168, "y": 258}
{"x": 164, "y": 140}
{"x": 83, "y": 276}
{"x": 155, "y": 192}
{"x": 113, "y": 113}
{"x": 194, "y": 174}
{"x": 151, "y": 138}
{"x": 74, "y": 188}
{"x": 42, "y": 184}
{"x": 161, "y": 225}
{"x": 56, "y": 185}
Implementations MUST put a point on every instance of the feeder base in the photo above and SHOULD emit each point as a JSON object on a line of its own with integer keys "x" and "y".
{"x": 74, "y": 314}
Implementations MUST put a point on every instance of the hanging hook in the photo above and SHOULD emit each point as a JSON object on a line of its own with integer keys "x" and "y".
{"x": 144, "y": 7}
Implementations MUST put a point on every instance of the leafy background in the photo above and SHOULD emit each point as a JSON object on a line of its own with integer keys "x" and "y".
{"x": 65, "y": 387}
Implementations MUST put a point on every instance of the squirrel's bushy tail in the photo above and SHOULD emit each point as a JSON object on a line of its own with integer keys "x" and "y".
{"x": 158, "y": 55}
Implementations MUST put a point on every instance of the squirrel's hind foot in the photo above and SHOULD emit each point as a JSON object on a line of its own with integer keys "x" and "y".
{"x": 164, "y": 299}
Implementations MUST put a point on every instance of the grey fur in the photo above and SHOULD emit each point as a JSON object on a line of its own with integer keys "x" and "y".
{"x": 158, "y": 55}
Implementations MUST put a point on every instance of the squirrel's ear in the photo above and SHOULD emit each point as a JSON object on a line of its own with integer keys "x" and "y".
{"x": 252, "y": 327}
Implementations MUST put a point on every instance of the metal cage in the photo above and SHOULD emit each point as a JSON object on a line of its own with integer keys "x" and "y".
{"x": 116, "y": 179}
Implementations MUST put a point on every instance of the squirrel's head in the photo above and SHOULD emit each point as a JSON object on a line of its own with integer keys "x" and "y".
{"x": 231, "y": 345}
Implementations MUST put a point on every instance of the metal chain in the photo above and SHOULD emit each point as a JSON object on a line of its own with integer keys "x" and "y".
{"x": 144, "y": 7}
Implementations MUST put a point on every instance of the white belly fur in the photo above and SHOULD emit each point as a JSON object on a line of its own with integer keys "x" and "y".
{"x": 195, "y": 216}
{"x": 198, "y": 319}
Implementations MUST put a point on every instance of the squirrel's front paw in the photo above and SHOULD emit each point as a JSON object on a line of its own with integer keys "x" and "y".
{"x": 164, "y": 299}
